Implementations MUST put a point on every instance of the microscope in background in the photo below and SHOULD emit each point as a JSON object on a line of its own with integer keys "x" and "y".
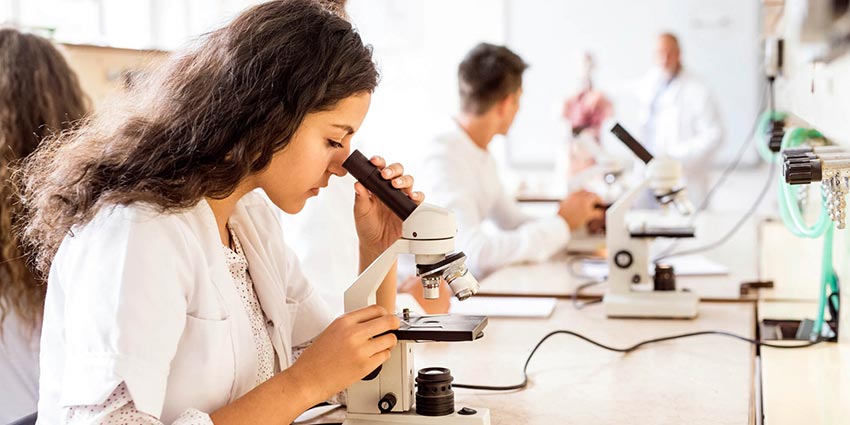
{"x": 631, "y": 292}
{"x": 608, "y": 169}
{"x": 386, "y": 396}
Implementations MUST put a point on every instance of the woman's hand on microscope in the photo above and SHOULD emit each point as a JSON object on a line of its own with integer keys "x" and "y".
{"x": 579, "y": 208}
{"x": 377, "y": 226}
{"x": 349, "y": 349}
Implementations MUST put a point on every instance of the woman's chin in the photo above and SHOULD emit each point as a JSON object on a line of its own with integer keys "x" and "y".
{"x": 293, "y": 206}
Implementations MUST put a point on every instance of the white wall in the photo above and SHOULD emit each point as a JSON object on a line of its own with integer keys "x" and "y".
{"x": 418, "y": 45}
{"x": 819, "y": 93}
{"x": 720, "y": 43}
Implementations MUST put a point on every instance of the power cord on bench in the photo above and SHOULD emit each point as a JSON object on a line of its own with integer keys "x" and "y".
{"x": 524, "y": 382}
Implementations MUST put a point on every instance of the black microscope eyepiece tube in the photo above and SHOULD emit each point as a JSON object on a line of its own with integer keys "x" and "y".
{"x": 638, "y": 149}
{"x": 368, "y": 174}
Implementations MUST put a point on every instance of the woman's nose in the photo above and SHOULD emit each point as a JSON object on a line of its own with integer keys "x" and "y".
{"x": 335, "y": 167}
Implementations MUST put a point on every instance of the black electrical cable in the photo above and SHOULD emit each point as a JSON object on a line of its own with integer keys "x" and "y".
{"x": 733, "y": 230}
{"x": 580, "y": 305}
{"x": 591, "y": 280}
{"x": 626, "y": 350}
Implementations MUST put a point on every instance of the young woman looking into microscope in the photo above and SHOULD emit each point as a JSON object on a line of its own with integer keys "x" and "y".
{"x": 167, "y": 300}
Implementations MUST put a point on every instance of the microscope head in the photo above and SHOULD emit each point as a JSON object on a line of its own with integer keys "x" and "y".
{"x": 431, "y": 231}
{"x": 665, "y": 179}
{"x": 663, "y": 173}
{"x": 427, "y": 230}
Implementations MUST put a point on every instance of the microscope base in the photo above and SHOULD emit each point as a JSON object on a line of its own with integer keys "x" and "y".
{"x": 652, "y": 304}
{"x": 481, "y": 417}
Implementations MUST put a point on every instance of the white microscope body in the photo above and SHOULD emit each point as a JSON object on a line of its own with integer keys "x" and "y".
{"x": 428, "y": 232}
{"x": 631, "y": 292}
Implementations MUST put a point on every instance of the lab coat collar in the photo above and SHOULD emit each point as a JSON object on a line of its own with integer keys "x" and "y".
{"x": 243, "y": 342}
{"x": 266, "y": 285}
{"x": 468, "y": 144}
{"x": 267, "y": 280}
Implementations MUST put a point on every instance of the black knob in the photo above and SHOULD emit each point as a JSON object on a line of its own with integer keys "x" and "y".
{"x": 387, "y": 402}
{"x": 802, "y": 171}
{"x": 801, "y": 152}
{"x": 664, "y": 279}
{"x": 776, "y": 133}
{"x": 623, "y": 259}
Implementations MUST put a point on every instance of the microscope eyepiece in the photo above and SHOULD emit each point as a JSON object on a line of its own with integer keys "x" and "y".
{"x": 368, "y": 174}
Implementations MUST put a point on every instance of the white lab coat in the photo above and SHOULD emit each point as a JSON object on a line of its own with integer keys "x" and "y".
{"x": 686, "y": 125}
{"x": 463, "y": 178}
{"x": 147, "y": 299}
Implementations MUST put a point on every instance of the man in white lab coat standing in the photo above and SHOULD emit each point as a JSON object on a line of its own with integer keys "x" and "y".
{"x": 460, "y": 173}
{"x": 679, "y": 116}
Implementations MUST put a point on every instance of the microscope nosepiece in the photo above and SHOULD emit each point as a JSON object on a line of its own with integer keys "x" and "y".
{"x": 453, "y": 268}
{"x": 463, "y": 284}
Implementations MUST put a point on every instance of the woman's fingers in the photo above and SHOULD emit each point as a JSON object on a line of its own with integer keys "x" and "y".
{"x": 403, "y": 182}
{"x": 395, "y": 174}
{"x": 417, "y": 197}
{"x": 367, "y": 314}
{"x": 382, "y": 343}
{"x": 379, "y": 325}
{"x": 378, "y": 162}
{"x": 382, "y": 357}
{"x": 392, "y": 171}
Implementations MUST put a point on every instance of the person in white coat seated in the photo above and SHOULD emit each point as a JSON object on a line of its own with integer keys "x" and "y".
{"x": 171, "y": 296}
{"x": 461, "y": 173}
{"x": 679, "y": 117}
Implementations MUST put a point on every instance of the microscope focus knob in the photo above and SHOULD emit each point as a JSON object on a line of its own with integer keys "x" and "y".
{"x": 387, "y": 402}
{"x": 776, "y": 133}
{"x": 623, "y": 259}
{"x": 802, "y": 171}
{"x": 799, "y": 152}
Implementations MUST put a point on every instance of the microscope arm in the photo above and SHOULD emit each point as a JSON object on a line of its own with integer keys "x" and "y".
{"x": 615, "y": 217}
{"x": 363, "y": 291}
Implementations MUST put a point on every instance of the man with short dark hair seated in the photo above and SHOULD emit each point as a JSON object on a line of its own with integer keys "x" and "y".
{"x": 464, "y": 178}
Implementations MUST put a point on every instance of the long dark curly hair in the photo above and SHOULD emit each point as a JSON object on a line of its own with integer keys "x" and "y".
{"x": 207, "y": 119}
{"x": 39, "y": 96}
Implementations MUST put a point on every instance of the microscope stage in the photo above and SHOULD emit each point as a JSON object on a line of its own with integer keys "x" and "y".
{"x": 662, "y": 232}
{"x": 443, "y": 327}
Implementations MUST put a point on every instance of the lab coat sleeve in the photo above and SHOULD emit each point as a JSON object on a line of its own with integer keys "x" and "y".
{"x": 487, "y": 250}
{"x": 708, "y": 130}
{"x": 311, "y": 312}
{"x": 506, "y": 212}
{"x": 127, "y": 278}
{"x": 119, "y": 409}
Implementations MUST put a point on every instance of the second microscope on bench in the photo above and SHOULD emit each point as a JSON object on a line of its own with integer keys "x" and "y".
{"x": 631, "y": 290}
